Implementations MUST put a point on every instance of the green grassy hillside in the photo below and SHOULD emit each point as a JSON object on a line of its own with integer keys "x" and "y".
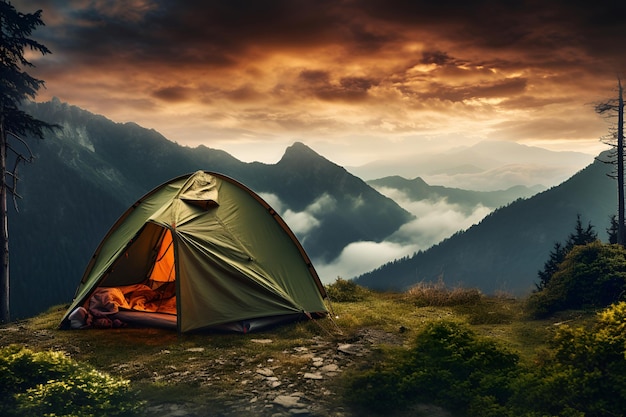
{"x": 300, "y": 368}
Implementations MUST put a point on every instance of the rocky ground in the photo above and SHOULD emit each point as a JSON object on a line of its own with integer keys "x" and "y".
{"x": 300, "y": 381}
{"x": 274, "y": 391}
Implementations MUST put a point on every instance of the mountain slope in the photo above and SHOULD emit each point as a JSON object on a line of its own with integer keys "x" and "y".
{"x": 507, "y": 248}
{"x": 344, "y": 205}
{"x": 88, "y": 173}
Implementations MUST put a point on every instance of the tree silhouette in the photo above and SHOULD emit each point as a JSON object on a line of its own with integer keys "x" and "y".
{"x": 579, "y": 237}
{"x": 612, "y": 229}
{"x": 16, "y": 86}
{"x": 557, "y": 255}
{"x": 612, "y": 108}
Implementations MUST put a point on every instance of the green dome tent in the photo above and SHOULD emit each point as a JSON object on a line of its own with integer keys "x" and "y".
{"x": 201, "y": 251}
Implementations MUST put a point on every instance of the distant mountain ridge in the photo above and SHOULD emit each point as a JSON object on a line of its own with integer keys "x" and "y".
{"x": 495, "y": 165}
{"x": 418, "y": 189}
{"x": 88, "y": 173}
{"x": 507, "y": 248}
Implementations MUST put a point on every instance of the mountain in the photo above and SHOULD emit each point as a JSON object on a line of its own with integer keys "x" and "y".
{"x": 87, "y": 173}
{"x": 495, "y": 165}
{"x": 417, "y": 189}
{"x": 507, "y": 248}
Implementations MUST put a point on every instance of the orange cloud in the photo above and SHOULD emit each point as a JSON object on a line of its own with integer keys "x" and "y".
{"x": 381, "y": 74}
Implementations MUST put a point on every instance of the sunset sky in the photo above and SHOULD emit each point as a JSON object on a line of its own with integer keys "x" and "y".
{"x": 356, "y": 80}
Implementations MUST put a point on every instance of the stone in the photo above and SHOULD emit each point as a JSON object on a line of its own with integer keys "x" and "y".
{"x": 288, "y": 401}
{"x": 299, "y": 412}
{"x": 198, "y": 349}
{"x": 313, "y": 375}
{"x": 329, "y": 368}
{"x": 266, "y": 372}
{"x": 348, "y": 349}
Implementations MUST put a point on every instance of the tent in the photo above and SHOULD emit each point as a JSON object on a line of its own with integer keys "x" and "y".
{"x": 201, "y": 251}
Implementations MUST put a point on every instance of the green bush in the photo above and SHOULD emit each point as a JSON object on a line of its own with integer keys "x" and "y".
{"x": 346, "y": 291}
{"x": 593, "y": 275}
{"x": 51, "y": 384}
{"x": 448, "y": 365}
{"x": 584, "y": 376}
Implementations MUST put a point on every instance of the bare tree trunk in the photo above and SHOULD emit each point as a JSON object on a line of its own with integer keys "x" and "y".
{"x": 4, "y": 225}
{"x": 620, "y": 167}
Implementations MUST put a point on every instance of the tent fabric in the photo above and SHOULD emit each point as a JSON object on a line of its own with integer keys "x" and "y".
{"x": 234, "y": 261}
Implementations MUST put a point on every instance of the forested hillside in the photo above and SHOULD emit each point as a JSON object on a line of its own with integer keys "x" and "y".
{"x": 507, "y": 248}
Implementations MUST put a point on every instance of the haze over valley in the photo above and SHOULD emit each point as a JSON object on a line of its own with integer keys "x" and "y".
{"x": 485, "y": 166}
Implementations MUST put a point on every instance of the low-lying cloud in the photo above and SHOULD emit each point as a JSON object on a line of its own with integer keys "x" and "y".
{"x": 301, "y": 222}
{"x": 434, "y": 221}
{"x": 360, "y": 257}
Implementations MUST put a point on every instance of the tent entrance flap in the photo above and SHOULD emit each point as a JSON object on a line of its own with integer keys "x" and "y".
{"x": 164, "y": 268}
{"x": 150, "y": 255}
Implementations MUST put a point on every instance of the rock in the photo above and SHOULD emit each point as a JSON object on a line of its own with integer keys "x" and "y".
{"x": 288, "y": 401}
{"x": 347, "y": 348}
{"x": 329, "y": 368}
{"x": 317, "y": 361}
{"x": 299, "y": 412}
{"x": 266, "y": 372}
{"x": 311, "y": 375}
{"x": 198, "y": 349}
{"x": 261, "y": 341}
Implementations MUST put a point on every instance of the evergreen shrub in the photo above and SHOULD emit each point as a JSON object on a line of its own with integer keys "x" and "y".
{"x": 51, "y": 384}
{"x": 585, "y": 374}
{"x": 449, "y": 365}
{"x": 590, "y": 276}
{"x": 343, "y": 290}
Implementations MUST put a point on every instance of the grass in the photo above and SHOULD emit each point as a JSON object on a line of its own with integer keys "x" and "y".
{"x": 438, "y": 294}
{"x": 221, "y": 368}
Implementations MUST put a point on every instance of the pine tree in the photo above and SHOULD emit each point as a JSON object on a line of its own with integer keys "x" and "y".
{"x": 16, "y": 86}
{"x": 612, "y": 229}
{"x": 551, "y": 265}
{"x": 580, "y": 237}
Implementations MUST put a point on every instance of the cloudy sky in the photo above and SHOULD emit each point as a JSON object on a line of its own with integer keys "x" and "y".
{"x": 356, "y": 80}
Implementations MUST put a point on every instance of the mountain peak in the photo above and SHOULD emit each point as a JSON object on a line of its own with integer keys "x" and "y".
{"x": 298, "y": 155}
{"x": 299, "y": 149}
